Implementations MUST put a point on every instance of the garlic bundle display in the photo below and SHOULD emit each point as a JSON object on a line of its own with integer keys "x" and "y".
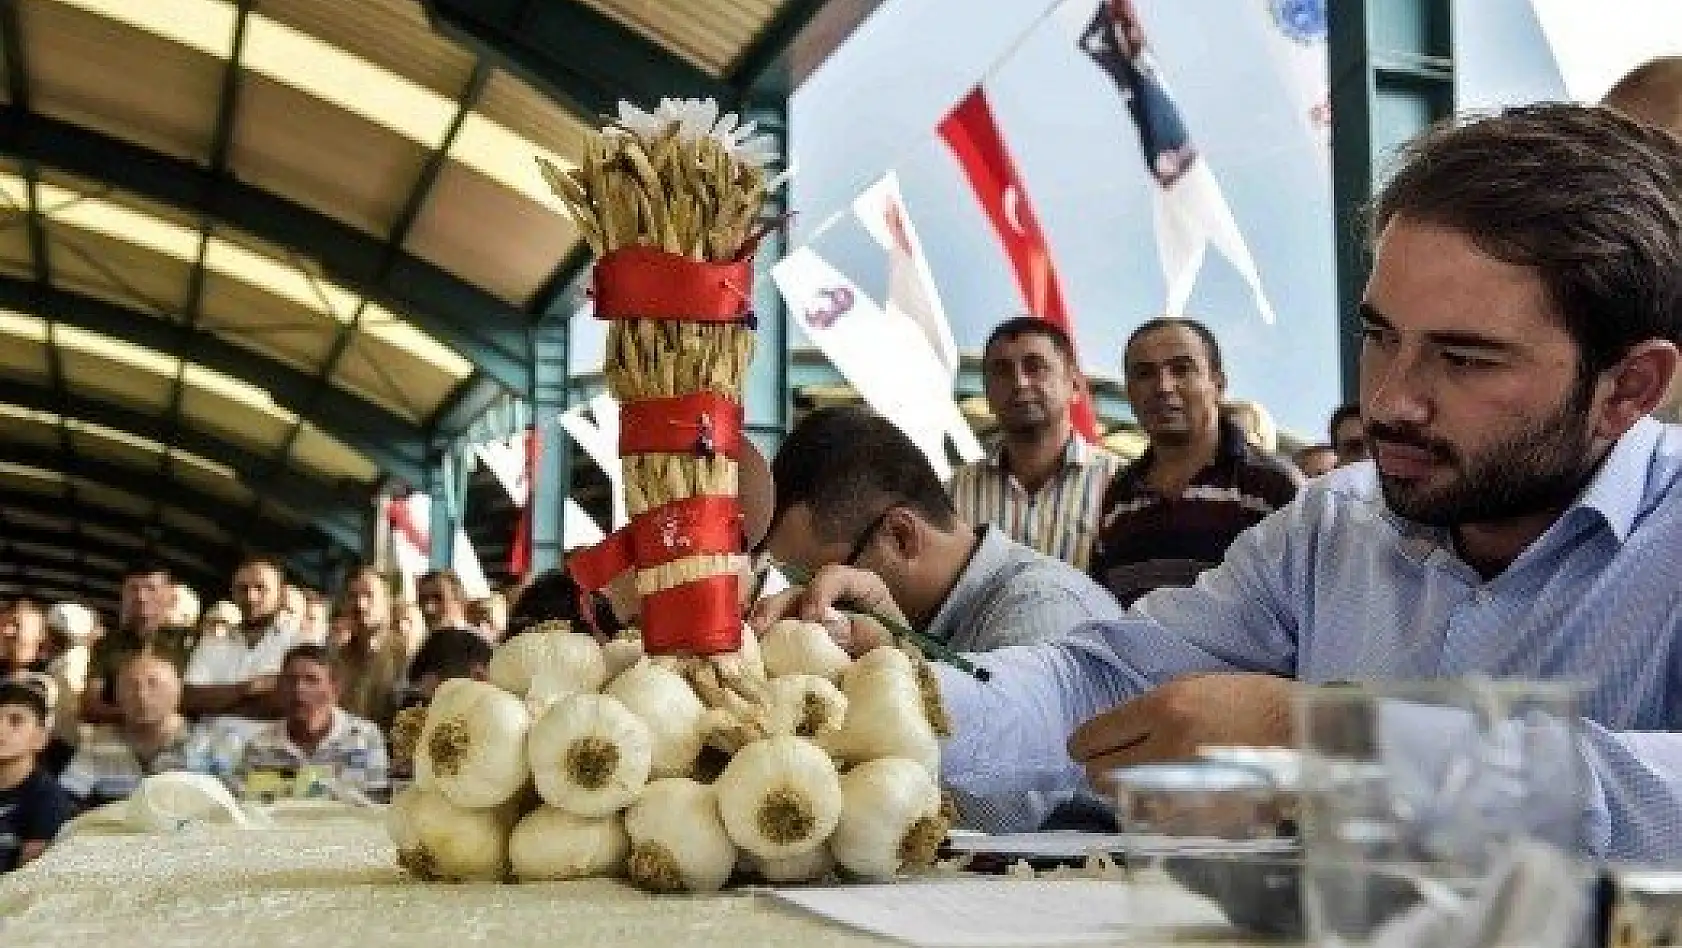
{"x": 676, "y": 784}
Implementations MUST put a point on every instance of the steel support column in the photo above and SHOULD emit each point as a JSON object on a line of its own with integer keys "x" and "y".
{"x": 1392, "y": 75}
{"x": 766, "y": 392}
{"x": 444, "y": 487}
{"x": 551, "y": 478}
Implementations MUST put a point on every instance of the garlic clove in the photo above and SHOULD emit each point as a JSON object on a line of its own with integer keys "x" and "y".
{"x": 793, "y": 647}
{"x": 472, "y": 748}
{"x": 779, "y": 797}
{"x": 438, "y": 841}
{"x": 550, "y": 844}
{"x": 571, "y": 661}
{"x": 885, "y": 718}
{"x": 678, "y": 840}
{"x": 670, "y": 708}
{"x": 890, "y": 819}
{"x": 804, "y": 706}
{"x": 590, "y": 756}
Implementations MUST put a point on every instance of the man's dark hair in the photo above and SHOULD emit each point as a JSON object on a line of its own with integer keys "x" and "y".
{"x": 1588, "y": 199}
{"x": 148, "y": 568}
{"x": 448, "y": 577}
{"x": 450, "y": 653}
{"x": 309, "y": 652}
{"x": 1341, "y": 415}
{"x": 264, "y": 561}
{"x": 848, "y": 464}
{"x": 554, "y": 594}
{"x": 1211, "y": 347}
{"x": 1018, "y": 326}
{"x": 23, "y": 692}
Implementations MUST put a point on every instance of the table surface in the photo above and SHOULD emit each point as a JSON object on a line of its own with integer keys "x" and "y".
{"x": 327, "y": 878}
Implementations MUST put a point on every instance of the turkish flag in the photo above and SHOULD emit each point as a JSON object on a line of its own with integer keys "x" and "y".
{"x": 973, "y": 135}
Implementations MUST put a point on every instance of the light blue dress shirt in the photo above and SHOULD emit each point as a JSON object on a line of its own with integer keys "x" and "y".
{"x": 1335, "y": 587}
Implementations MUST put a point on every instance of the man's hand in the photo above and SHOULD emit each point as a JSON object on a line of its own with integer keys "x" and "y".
{"x": 1174, "y": 720}
{"x": 833, "y": 588}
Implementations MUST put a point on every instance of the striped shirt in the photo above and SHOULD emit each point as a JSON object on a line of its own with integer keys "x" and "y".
{"x": 1336, "y": 587}
{"x": 1007, "y": 595}
{"x": 1147, "y": 540}
{"x": 353, "y": 753}
{"x": 1060, "y": 519}
{"x": 106, "y": 767}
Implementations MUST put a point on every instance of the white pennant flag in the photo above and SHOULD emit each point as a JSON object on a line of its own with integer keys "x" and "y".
{"x": 912, "y": 293}
{"x": 506, "y": 461}
{"x": 1296, "y": 42}
{"x": 886, "y": 358}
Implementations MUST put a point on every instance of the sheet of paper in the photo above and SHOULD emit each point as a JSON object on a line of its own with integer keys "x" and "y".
{"x": 982, "y": 912}
{"x": 1069, "y": 845}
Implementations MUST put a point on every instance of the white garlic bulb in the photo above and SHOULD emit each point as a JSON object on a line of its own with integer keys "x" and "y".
{"x": 807, "y": 867}
{"x": 678, "y": 841}
{"x": 779, "y": 797}
{"x": 437, "y": 840}
{"x": 473, "y": 746}
{"x": 621, "y": 653}
{"x": 569, "y": 661}
{"x": 882, "y": 658}
{"x": 590, "y": 755}
{"x": 804, "y": 706}
{"x": 670, "y": 708}
{"x": 793, "y": 647}
{"x": 890, "y": 819}
{"x": 885, "y": 718}
{"x": 550, "y": 844}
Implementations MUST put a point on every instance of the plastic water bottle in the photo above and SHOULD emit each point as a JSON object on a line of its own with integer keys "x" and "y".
{"x": 353, "y": 773}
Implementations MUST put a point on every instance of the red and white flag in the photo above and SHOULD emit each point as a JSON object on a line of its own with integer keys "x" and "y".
{"x": 972, "y": 133}
{"x": 912, "y": 293}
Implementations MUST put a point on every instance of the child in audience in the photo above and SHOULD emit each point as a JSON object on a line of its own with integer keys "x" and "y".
{"x": 32, "y": 805}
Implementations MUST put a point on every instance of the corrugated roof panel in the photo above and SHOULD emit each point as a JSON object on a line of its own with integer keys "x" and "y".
{"x": 25, "y": 429}
{"x": 326, "y": 457}
{"x": 196, "y": 525}
{"x": 267, "y": 325}
{"x": 115, "y": 270}
{"x": 112, "y": 498}
{"x": 323, "y": 157}
{"x": 102, "y": 377}
{"x": 490, "y": 236}
{"x": 116, "y": 451}
{"x": 711, "y": 34}
{"x": 222, "y": 488}
{"x": 167, "y": 95}
{"x": 391, "y": 34}
{"x": 251, "y": 430}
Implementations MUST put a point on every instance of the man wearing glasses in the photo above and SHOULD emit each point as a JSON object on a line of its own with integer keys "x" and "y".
{"x": 853, "y": 491}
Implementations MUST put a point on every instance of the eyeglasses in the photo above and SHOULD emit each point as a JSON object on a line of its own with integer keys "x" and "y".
{"x": 866, "y": 536}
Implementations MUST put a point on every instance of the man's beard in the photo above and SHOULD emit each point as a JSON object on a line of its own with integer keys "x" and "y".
{"x": 1539, "y": 468}
{"x": 1026, "y": 424}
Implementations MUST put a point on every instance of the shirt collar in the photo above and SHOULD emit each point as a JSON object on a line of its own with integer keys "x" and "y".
{"x": 992, "y": 554}
{"x": 1618, "y": 491}
{"x": 1231, "y": 447}
{"x": 1076, "y": 453}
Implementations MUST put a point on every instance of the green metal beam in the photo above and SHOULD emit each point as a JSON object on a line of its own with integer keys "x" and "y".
{"x": 68, "y": 517}
{"x": 766, "y": 391}
{"x": 290, "y": 487}
{"x": 1392, "y": 75}
{"x": 584, "y": 59}
{"x": 551, "y": 479}
{"x": 158, "y": 488}
{"x": 485, "y": 329}
{"x": 385, "y": 438}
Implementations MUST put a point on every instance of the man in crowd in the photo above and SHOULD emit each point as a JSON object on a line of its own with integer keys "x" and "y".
{"x": 317, "y": 745}
{"x": 233, "y": 679}
{"x": 1652, "y": 93}
{"x": 145, "y": 613}
{"x": 852, "y": 489}
{"x": 1520, "y": 519}
{"x": 23, "y": 636}
{"x": 1316, "y": 459}
{"x": 449, "y": 653}
{"x": 1043, "y": 484}
{"x": 32, "y": 805}
{"x": 1349, "y": 435}
{"x": 369, "y": 665}
{"x": 152, "y": 737}
{"x": 1171, "y": 514}
{"x": 442, "y": 600}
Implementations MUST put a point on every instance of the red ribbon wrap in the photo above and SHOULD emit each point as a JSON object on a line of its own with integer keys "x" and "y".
{"x": 704, "y": 424}
{"x": 645, "y": 283}
{"x": 699, "y": 618}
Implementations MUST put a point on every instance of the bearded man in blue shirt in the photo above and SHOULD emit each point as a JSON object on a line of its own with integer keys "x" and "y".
{"x": 1521, "y": 517}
